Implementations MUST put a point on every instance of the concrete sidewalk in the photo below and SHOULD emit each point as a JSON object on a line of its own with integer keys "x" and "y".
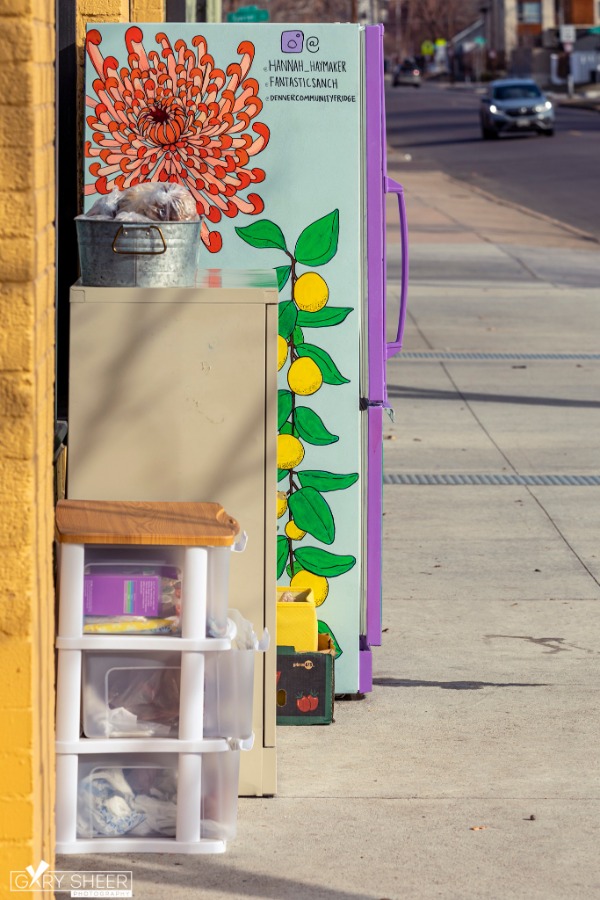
{"x": 472, "y": 770}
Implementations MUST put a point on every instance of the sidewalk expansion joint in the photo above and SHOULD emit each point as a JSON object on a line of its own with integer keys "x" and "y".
{"x": 491, "y": 479}
{"x": 467, "y": 356}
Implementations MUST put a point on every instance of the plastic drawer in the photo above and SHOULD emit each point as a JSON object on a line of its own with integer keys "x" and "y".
{"x": 128, "y": 796}
{"x": 132, "y": 795}
{"x": 228, "y": 693}
{"x": 215, "y": 592}
{"x": 137, "y": 695}
{"x": 220, "y": 780}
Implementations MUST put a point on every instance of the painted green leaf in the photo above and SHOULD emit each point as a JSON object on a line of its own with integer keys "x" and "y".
{"x": 323, "y": 318}
{"x": 311, "y": 428}
{"x": 298, "y": 335}
{"x": 263, "y": 234}
{"x": 331, "y": 373}
{"x": 283, "y": 273}
{"x": 281, "y": 474}
{"x": 311, "y": 513}
{"x": 286, "y": 428}
{"x": 323, "y": 628}
{"x": 288, "y": 312}
{"x": 290, "y": 569}
{"x": 284, "y": 406}
{"x": 318, "y": 242}
{"x": 282, "y": 553}
{"x": 326, "y": 481}
{"x": 322, "y": 562}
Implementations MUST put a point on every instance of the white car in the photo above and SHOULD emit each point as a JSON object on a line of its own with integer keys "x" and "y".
{"x": 515, "y": 104}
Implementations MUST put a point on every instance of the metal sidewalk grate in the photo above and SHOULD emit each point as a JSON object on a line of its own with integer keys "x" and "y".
{"x": 551, "y": 480}
{"x": 466, "y": 356}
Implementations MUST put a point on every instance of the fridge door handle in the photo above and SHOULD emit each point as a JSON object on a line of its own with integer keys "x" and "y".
{"x": 392, "y": 187}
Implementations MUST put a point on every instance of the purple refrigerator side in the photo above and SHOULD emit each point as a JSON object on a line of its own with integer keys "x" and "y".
{"x": 375, "y": 346}
{"x": 379, "y": 351}
{"x": 375, "y": 202}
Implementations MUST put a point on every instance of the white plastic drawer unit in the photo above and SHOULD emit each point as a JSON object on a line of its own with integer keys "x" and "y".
{"x": 137, "y": 695}
{"x": 129, "y": 796}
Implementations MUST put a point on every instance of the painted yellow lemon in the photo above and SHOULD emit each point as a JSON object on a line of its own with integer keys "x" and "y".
{"x": 304, "y": 376}
{"x": 290, "y": 451}
{"x": 281, "y": 503}
{"x": 282, "y": 352}
{"x": 317, "y": 583}
{"x": 311, "y": 292}
{"x": 293, "y": 532}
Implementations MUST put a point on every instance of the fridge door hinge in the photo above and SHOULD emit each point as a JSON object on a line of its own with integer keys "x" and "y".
{"x": 364, "y": 403}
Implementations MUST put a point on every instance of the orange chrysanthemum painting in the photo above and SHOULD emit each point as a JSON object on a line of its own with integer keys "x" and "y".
{"x": 174, "y": 116}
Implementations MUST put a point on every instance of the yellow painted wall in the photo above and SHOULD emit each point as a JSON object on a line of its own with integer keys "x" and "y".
{"x": 27, "y": 365}
{"x": 26, "y": 435}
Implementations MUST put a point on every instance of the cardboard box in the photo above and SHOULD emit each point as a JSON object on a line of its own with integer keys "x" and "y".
{"x": 306, "y": 685}
{"x": 297, "y": 620}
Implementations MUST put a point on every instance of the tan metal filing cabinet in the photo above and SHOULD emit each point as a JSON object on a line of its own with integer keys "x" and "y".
{"x": 173, "y": 396}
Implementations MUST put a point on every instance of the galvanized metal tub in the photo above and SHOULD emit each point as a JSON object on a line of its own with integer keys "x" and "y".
{"x": 114, "y": 253}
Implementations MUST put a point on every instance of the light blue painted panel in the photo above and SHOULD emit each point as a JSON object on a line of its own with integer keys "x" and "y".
{"x": 263, "y": 124}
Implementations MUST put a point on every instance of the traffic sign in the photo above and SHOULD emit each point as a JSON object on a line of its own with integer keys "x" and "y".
{"x": 427, "y": 48}
{"x": 248, "y": 14}
{"x": 568, "y": 34}
{"x": 479, "y": 40}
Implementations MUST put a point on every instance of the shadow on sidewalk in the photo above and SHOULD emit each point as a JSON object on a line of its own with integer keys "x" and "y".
{"x": 413, "y": 393}
{"x": 452, "y": 685}
{"x": 202, "y": 875}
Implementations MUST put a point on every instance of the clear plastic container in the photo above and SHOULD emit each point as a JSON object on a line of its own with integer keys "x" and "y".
{"x": 228, "y": 693}
{"x": 219, "y": 805}
{"x": 133, "y": 590}
{"x": 131, "y": 695}
{"x": 127, "y": 796}
{"x": 194, "y": 590}
{"x": 134, "y": 795}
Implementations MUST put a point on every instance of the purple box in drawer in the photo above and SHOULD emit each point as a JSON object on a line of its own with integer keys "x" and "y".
{"x": 121, "y": 595}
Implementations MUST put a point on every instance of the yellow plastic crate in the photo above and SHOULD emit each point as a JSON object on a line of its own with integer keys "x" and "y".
{"x": 297, "y": 620}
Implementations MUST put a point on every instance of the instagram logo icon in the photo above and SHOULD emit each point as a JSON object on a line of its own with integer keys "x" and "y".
{"x": 292, "y": 41}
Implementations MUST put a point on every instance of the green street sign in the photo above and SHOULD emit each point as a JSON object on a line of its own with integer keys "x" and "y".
{"x": 248, "y": 14}
{"x": 479, "y": 40}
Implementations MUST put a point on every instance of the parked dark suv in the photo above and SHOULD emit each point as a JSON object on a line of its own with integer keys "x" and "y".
{"x": 515, "y": 104}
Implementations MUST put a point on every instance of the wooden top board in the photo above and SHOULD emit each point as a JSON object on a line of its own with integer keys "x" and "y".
{"x": 137, "y": 522}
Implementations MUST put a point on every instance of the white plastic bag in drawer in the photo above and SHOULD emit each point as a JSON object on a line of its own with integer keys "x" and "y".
{"x": 132, "y": 795}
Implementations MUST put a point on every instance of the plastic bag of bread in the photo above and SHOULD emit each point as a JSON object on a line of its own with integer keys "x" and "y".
{"x": 160, "y": 202}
